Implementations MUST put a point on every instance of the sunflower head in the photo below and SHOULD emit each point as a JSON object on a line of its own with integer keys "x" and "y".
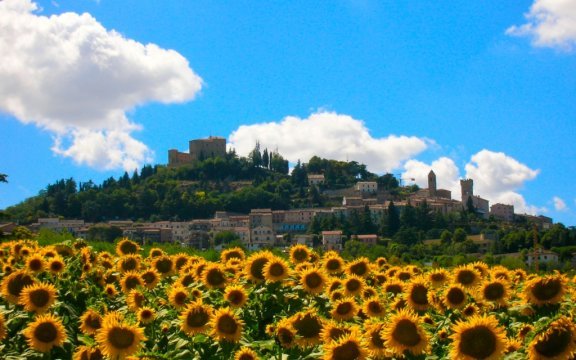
{"x": 178, "y": 296}
{"x": 232, "y": 253}
{"x": 276, "y": 270}
{"x": 180, "y": 260}
{"x": 135, "y": 300}
{"x": 195, "y": 319}
{"x": 455, "y": 297}
{"x": 151, "y": 278}
{"x": 333, "y": 264}
{"x": 214, "y": 276}
{"x": 245, "y": 353}
{"x": 13, "y": 284}
{"x": 346, "y": 347}
{"x": 235, "y": 295}
{"x": 374, "y": 339}
{"x": 146, "y": 315}
{"x": 90, "y": 322}
{"x": 438, "y": 277}
{"x": 332, "y": 331}
{"x": 558, "y": 341}
{"x": 254, "y": 265}
{"x": 308, "y": 327}
{"x": 403, "y": 333}
{"x": 131, "y": 280}
{"x": 35, "y": 263}
{"x": 373, "y": 307}
{"x": 226, "y": 326}
{"x": 344, "y": 309}
{"x": 285, "y": 333}
{"x": 45, "y": 332}
{"x": 467, "y": 276}
{"x": 313, "y": 280}
{"x": 495, "y": 292}
{"x": 299, "y": 253}
{"x": 480, "y": 337}
{"x": 417, "y": 294}
{"x": 393, "y": 287}
{"x": 545, "y": 290}
{"x": 38, "y": 297}
{"x": 130, "y": 262}
{"x": 164, "y": 265}
{"x": 126, "y": 247}
{"x": 119, "y": 339}
{"x": 56, "y": 265}
{"x": 359, "y": 267}
{"x": 353, "y": 285}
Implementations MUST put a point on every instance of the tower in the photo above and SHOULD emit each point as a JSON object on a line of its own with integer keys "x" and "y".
{"x": 467, "y": 188}
{"x": 431, "y": 184}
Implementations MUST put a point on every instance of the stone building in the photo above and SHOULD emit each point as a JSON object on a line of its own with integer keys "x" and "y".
{"x": 502, "y": 212}
{"x": 198, "y": 149}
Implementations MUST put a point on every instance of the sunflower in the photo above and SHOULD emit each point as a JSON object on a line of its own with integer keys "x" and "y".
{"x": 467, "y": 276}
{"x": 348, "y": 347}
{"x": 45, "y": 332}
{"x": 359, "y": 267}
{"x": 333, "y": 264}
{"x": 308, "y": 327}
{"x": 381, "y": 262}
{"x": 129, "y": 262}
{"x": 373, "y": 307}
{"x": 3, "y": 330}
{"x": 276, "y": 270}
{"x": 404, "y": 275}
{"x": 164, "y": 265}
{"x": 299, "y": 253}
{"x": 313, "y": 280}
{"x": 155, "y": 252}
{"x": 557, "y": 342}
{"x": 374, "y": 341}
{"x": 470, "y": 310}
{"x": 332, "y": 331}
{"x": 232, "y": 253}
{"x": 455, "y": 297}
{"x": 512, "y": 345}
{"x": 126, "y": 247}
{"x": 481, "y": 267}
{"x": 524, "y": 330}
{"x": 545, "y": 290}
{"x": 110, "y": 290}
{"x": 336, "y": 295}
{"x": 180, "y": 260}
{"x": 13, "y": 284}
{"x": 245, "y": 353}
{"x": 353, "y": 285}
{"x": 333, "y": 285}
{"x": 438, "y": 277}
{"x": 195, "y": 319}
{"x": 131, "y": 280}
{"x": 118, "y": 339}
{"x": 35, "y": 263}
{"x": 285, "y": 333}
{"x": 87, "y": 353}
{"x": 56, "y": 265}
{"x": 186, "y": 279}
{"x": 226, "y": 325}
{"x": 369, "y": 292}
{"x": 344, "y": 309}
{"x": 235, "y": 295}
{"x": 255, "y": 264}
{"x": 403, "y": 333}
{"x": 393, "y": 286}
{"x": 178, "y": 296}
{"x": 151, "y": 278}
{"x": 135, "y": 300}
{"x": 417, "y": 295}
{"x": 495, "y": 291}
{"x": 146, "y": 315}
{"x": 90, "y": 322}
{"x": 214, "y": 276}
{"x": 380, "y": 278}
{"x": 38, "y": 297}
{"x": 480, "y": 337}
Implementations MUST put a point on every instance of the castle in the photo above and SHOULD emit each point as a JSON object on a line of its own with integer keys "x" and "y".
{"x": 199, "y": 149}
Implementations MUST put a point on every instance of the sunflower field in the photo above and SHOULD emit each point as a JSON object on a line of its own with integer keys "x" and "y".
{"x": 67, "y": 301}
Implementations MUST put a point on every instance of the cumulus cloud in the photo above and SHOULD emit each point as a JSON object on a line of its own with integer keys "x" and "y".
{"x": 498, "y": 177}
{"x": 559, "y": 204}
{"x": 550, "y": 23}
{"x": 330, "y": 135}
{"x": 69, "y": 75}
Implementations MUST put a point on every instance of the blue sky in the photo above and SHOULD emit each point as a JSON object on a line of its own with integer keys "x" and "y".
{"x": 485, "y": 90}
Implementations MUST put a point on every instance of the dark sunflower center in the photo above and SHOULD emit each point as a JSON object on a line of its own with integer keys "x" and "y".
{"x": 129, "y": 264}
{"x": 46, "y": 332}
{"x": 131, "y": 282}
{"x": 333, "y": 265}
{"x": 308, "y": 326}
{"x": 466, "y": 277}
{"x": 18, "y": 283}
{"x": 138, "y": 299}
{"x": 180, "y": 298}
{"x": 344, "y": 308}
{"x": 235, "y": 297}
{"x": 121, "y": 338}
{"x": 300, "y": 255}
{"x": 478, "y": 342}
{"x": 149, "y": 277}
{"x": 494, "y": 291}
{"x": 187, "y": 280}
{"x": 335, "y": 285}
{"x": 419, "y": 295}
{"x": 376, "y": 339}
{"x": 352, "y": 285}
{"x": 276, "y": 269}
{"x": 455, "y": 296}
{"x": 406, "y": 333}
{"x": 128, "y": 248}
{"x": 93, "y": 322}
{"x": 394, "y": 289}
{"x": 215, "y": 277}
{"x": 346, "y": 351}
{"x": 404, "y": 276}
{"x": 35, "y": 264}
{"x": 256, "y": 268}
{"x": 227, "y": 325}
{"x": 233, "y": 254}
{"x": 374, "y": 307}
{"x": 39, "y": 297}
{"x": 197, "y": 318}
{"x": 146, "y": 314}
{"x": 181, "y": 261}
{"x": 359, "y": 269}
{"x": 437, "y": 277}
{"x": 313, "y": 280}
{"x": 285, "y": 336}
{"x": 555, "y": 344}
{"x": 56, "y": 266}
{"x": 164, "y": 266}
{"x": 246, "y": 357}
{"x": 546, "y": 290}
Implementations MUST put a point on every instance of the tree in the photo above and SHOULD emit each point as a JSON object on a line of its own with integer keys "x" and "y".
{"x": 459, "y": 235}
{"x": 225, "y": 237}
{"x": 256, "y": 156}
{"x": 3, "y": 178}
{"x": 446, "y": 237}
{"x": 393, "y": 222}
{"x": 265, "y": 159}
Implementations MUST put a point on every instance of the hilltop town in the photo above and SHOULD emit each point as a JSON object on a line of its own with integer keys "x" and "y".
{"x": 365, "y": 208}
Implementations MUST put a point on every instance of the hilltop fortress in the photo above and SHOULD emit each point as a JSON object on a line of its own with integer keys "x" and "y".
{"x": 199, "y": 149}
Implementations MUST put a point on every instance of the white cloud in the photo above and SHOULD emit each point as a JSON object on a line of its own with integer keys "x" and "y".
{"x": 498, "y": 177}
{"x": 551, "y": 23}
{"x": 69, "y": 75}
{"x": 447, "y": 174}
{"x": 329, "y": 135}
{"x": 559, "y": 204}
